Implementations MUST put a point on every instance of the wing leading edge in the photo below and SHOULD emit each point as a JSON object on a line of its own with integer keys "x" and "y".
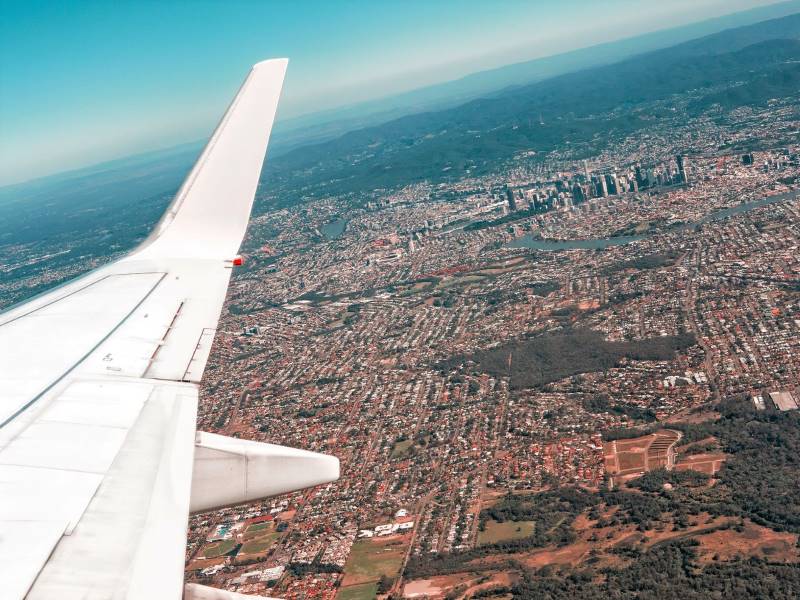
{"x": 99, "y": 458}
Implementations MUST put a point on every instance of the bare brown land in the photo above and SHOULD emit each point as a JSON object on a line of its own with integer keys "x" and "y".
{"x": 626, "y": 459}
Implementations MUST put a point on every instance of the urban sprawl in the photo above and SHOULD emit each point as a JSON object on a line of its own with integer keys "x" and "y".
{"x": 395, "y": 334}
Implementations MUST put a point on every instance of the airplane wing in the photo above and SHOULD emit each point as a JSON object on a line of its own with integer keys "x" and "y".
{"x": 100, "y": 462}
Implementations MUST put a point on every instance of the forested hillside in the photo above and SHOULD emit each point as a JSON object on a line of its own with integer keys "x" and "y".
{"x": 757, "y": 485}
{"x": 582, "y": 109}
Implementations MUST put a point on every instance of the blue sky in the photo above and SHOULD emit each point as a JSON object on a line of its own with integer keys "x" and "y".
{"x": 84, "y": 81}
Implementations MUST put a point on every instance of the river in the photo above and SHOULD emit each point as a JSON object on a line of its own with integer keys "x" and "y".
{"x": 528, "y": 241}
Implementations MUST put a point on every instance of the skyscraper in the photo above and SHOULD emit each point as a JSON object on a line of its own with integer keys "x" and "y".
{"x": 611, "y": 184}
{"x": 601, "y": 187}
{"x": 577, "y": 193}
{"x": 512, "y": 202}
{"x": 682, "y": 168}
{"x": 640, "y": 181}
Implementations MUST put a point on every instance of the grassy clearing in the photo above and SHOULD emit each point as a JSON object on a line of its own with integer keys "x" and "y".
{"x": 219, "y": 548}
{"x": 260, "y": 544}
{"x": 508, "y": 530}
{"x": 253, "y": 534}
{"x": 401, "y": 448}
{"x": 365, "y": 591}
{"x": 369, "y": 560}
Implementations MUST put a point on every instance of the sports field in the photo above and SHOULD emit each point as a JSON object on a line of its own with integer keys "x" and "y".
{"x": 259, "y": 544}
{"x": 219, "y": 548}
{"x": 369, "y": 559}
{"x": 502, "y": 532}
{"x": 364, "y": 591}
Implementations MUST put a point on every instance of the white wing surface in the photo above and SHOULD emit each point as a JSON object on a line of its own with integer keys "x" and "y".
{"x": 100, "y": 463}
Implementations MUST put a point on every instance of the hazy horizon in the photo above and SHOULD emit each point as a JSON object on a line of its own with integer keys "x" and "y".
{"x": 92, "y": 89}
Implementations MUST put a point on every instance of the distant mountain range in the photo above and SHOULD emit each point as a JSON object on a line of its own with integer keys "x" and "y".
{"x": 325, "y": 125}
{"x": 574, "y": 107}
{"x": 173, "y": 163}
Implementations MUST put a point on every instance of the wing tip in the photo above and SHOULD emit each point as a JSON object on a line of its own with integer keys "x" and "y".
{"x": 271, "y": 63}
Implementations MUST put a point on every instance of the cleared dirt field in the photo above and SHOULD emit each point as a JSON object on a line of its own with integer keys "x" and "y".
{"x": 639, "y": 444}
{"x": 626, "y": 459}
{"x": 204, "y": 563}
{"x": 753, "y": 540}
{"x": 708, "y": 463}
{"x": 435, "y": 587}
{"x": 631, "y": 461}
{"x": 438, "y": 587}
{"x": 568, "y": 555}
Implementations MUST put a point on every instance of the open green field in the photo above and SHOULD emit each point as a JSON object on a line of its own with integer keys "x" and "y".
{"x": 253, "y": 534}
{"x": 501, "y": 532}
{"x": 370, "y": 559}
{"x": 219, "y": 548}
{"x": 365, "y": 591}
{"x": 259, "y": 544}
{"x": 258, "y": 527}
{"x": 401, "y": 448}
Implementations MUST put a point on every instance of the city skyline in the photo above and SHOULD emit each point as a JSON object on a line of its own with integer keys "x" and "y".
{"x": 107, "y": 82}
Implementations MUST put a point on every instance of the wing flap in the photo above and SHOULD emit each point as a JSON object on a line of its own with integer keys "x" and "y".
{"x": 129, "y": 542}
{"x": 24, "y": 547}
{"x": 38, "y": 347}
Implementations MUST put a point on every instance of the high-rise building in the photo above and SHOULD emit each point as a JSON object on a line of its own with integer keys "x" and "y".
{"x": 512, "y": 202}
{"x": 639, "y": 177}
{"x": 651, "y": 177}
{"x": 601, "y": 187}
{"x": 683, "y": 173}
{"x": 611, "y": 184}
{"x": 577, "y": 193}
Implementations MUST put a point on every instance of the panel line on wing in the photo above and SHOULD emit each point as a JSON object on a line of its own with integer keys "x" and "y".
{"x": 65, "y": 296}
{"x": 26, "y": 405}
{"x": 163, "y": 338}
{"x": 201, "y": 353}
